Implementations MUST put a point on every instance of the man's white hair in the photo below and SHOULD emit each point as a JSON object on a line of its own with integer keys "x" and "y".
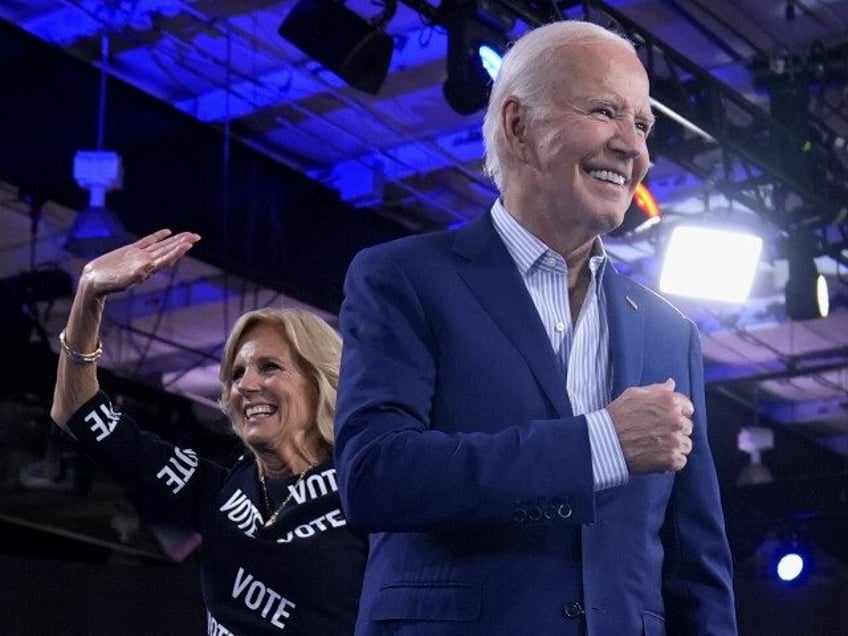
{"x": 525, "y": 74}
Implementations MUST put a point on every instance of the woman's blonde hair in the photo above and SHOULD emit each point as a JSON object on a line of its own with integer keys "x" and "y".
{"x": 315, "y": 347}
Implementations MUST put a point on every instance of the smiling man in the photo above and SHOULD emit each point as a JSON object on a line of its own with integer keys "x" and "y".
{"x": 521, "y": 428}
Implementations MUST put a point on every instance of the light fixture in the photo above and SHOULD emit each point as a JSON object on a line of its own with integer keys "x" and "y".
{"x": 753, "y": 440}
{"x": 355, "y": 49}
{"x": 792, "y": 562}
{"x": 712, "y": 264}
{"x": 96, "y": 229}
{"x": 477, "y": 42}
{"x": 806, "y": 290}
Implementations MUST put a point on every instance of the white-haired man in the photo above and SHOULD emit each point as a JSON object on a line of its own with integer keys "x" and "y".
{"x": 523, "y": 429}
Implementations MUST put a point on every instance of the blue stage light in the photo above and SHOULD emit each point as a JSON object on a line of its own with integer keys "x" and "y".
{"x": 790, "y": 566}
{"x": 491, "y": 59}
{"x": 792, "y": 563}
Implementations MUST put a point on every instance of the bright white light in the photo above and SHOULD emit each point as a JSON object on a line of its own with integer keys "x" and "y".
{"x": 790, "y": 567}
{"x": 491, "y": 59}
{"x": 822, "y": 296}
{"x": 711, "y": 264}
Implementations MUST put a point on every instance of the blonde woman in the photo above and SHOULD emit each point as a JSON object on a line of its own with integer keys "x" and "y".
{"x": 277, "y": 550}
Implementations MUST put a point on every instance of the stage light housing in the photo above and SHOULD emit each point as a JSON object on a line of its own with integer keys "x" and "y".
{"x": 754, "y": 440}
{"x": 96, "y": 229}
{"x": 477, "y": 42}
{"x": 807, "y": 295}
{"x": 355, "y": 49}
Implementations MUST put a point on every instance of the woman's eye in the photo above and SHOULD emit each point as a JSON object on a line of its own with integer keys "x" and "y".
{"x": 236, "y": 374}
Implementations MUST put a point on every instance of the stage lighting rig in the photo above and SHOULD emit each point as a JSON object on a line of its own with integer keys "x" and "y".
{"x": 807, "y": 294}
{"x": 357, "y": 50}
{"x": 478, "y": 35}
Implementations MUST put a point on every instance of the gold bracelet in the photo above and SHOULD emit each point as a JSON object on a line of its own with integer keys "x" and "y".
{"x": 77, "y": 357}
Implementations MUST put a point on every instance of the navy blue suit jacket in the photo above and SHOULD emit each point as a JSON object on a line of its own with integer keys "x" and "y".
{"x": 458, "y": 449}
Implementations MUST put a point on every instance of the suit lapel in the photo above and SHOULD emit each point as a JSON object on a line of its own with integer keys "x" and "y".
{"x": 491, "y": 274}
{"x": 626, "y": 320}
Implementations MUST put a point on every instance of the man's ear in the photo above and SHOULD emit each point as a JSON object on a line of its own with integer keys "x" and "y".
{"x": 514, "y": 120}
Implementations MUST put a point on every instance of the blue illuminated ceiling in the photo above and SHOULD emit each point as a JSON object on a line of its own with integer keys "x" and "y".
{"x": 334, "y": 168}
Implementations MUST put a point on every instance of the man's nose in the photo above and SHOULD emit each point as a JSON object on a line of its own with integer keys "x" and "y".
{"x": 629, "y": 140}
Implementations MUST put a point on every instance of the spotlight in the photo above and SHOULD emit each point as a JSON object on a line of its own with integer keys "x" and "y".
{"x": 792, "y": 563}
{"x": 96, "y": 229}
{"x": 691, "y": 269}
{"x": 356, "y": 50}
{"x": 477, "y": 42}
{"x": 806, "y": 289}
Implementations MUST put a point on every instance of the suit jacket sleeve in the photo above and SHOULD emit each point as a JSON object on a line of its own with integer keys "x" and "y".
{"x": 401, "y": 468}
{"x": 697, "y": 577}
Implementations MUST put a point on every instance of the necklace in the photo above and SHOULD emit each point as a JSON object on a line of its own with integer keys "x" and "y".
{"x": 292, "y": 489}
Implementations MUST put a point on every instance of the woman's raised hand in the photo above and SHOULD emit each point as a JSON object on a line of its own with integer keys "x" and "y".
{"x": 131, "y": 264}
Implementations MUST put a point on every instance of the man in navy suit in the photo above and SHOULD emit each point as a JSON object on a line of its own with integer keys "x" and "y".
{"x": 521, "y": 428}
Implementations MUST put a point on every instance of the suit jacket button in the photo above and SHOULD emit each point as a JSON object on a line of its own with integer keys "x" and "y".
{"x": 573, "y": 609}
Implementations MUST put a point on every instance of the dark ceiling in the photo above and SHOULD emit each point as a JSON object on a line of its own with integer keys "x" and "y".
{"x": 227, "y": 129}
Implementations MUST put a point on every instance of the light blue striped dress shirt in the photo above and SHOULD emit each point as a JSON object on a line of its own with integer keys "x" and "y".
{"x": 581, "y": 346}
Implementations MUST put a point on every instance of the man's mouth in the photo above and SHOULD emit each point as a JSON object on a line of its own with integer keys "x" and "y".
{"x": 609, "y": 176}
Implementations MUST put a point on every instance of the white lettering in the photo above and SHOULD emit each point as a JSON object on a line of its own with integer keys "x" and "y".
{"x": 316, "y": 485}
{"x": 297, "y": 491}
{"x": 320, "y": 523}
{"x": 238, "y": 586}
{"x": 334, "y": 518}
{"x": 305, "y": 531}
{"x": 101, "y": 427}
{"x": 241, "y": 511}
{"x": 188, "y": 456}
{"x": 273, "y": 597}
{"x": 282, "y": 611}
{"x": 257, "y": 592}
{"x": 179, "y": 469}
{"x": 330, "y": 476}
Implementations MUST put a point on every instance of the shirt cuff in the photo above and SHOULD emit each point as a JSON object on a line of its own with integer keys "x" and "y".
{"x": 608, "y": 466}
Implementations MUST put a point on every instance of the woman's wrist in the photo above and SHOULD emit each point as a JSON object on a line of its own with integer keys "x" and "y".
{"x": 80, "y": 357}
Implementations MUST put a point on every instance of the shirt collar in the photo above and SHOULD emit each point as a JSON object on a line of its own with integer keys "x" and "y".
{"x": 527, "y": 250}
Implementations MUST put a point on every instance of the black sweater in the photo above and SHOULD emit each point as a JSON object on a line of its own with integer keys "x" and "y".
{"x": 300, "y": 576}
